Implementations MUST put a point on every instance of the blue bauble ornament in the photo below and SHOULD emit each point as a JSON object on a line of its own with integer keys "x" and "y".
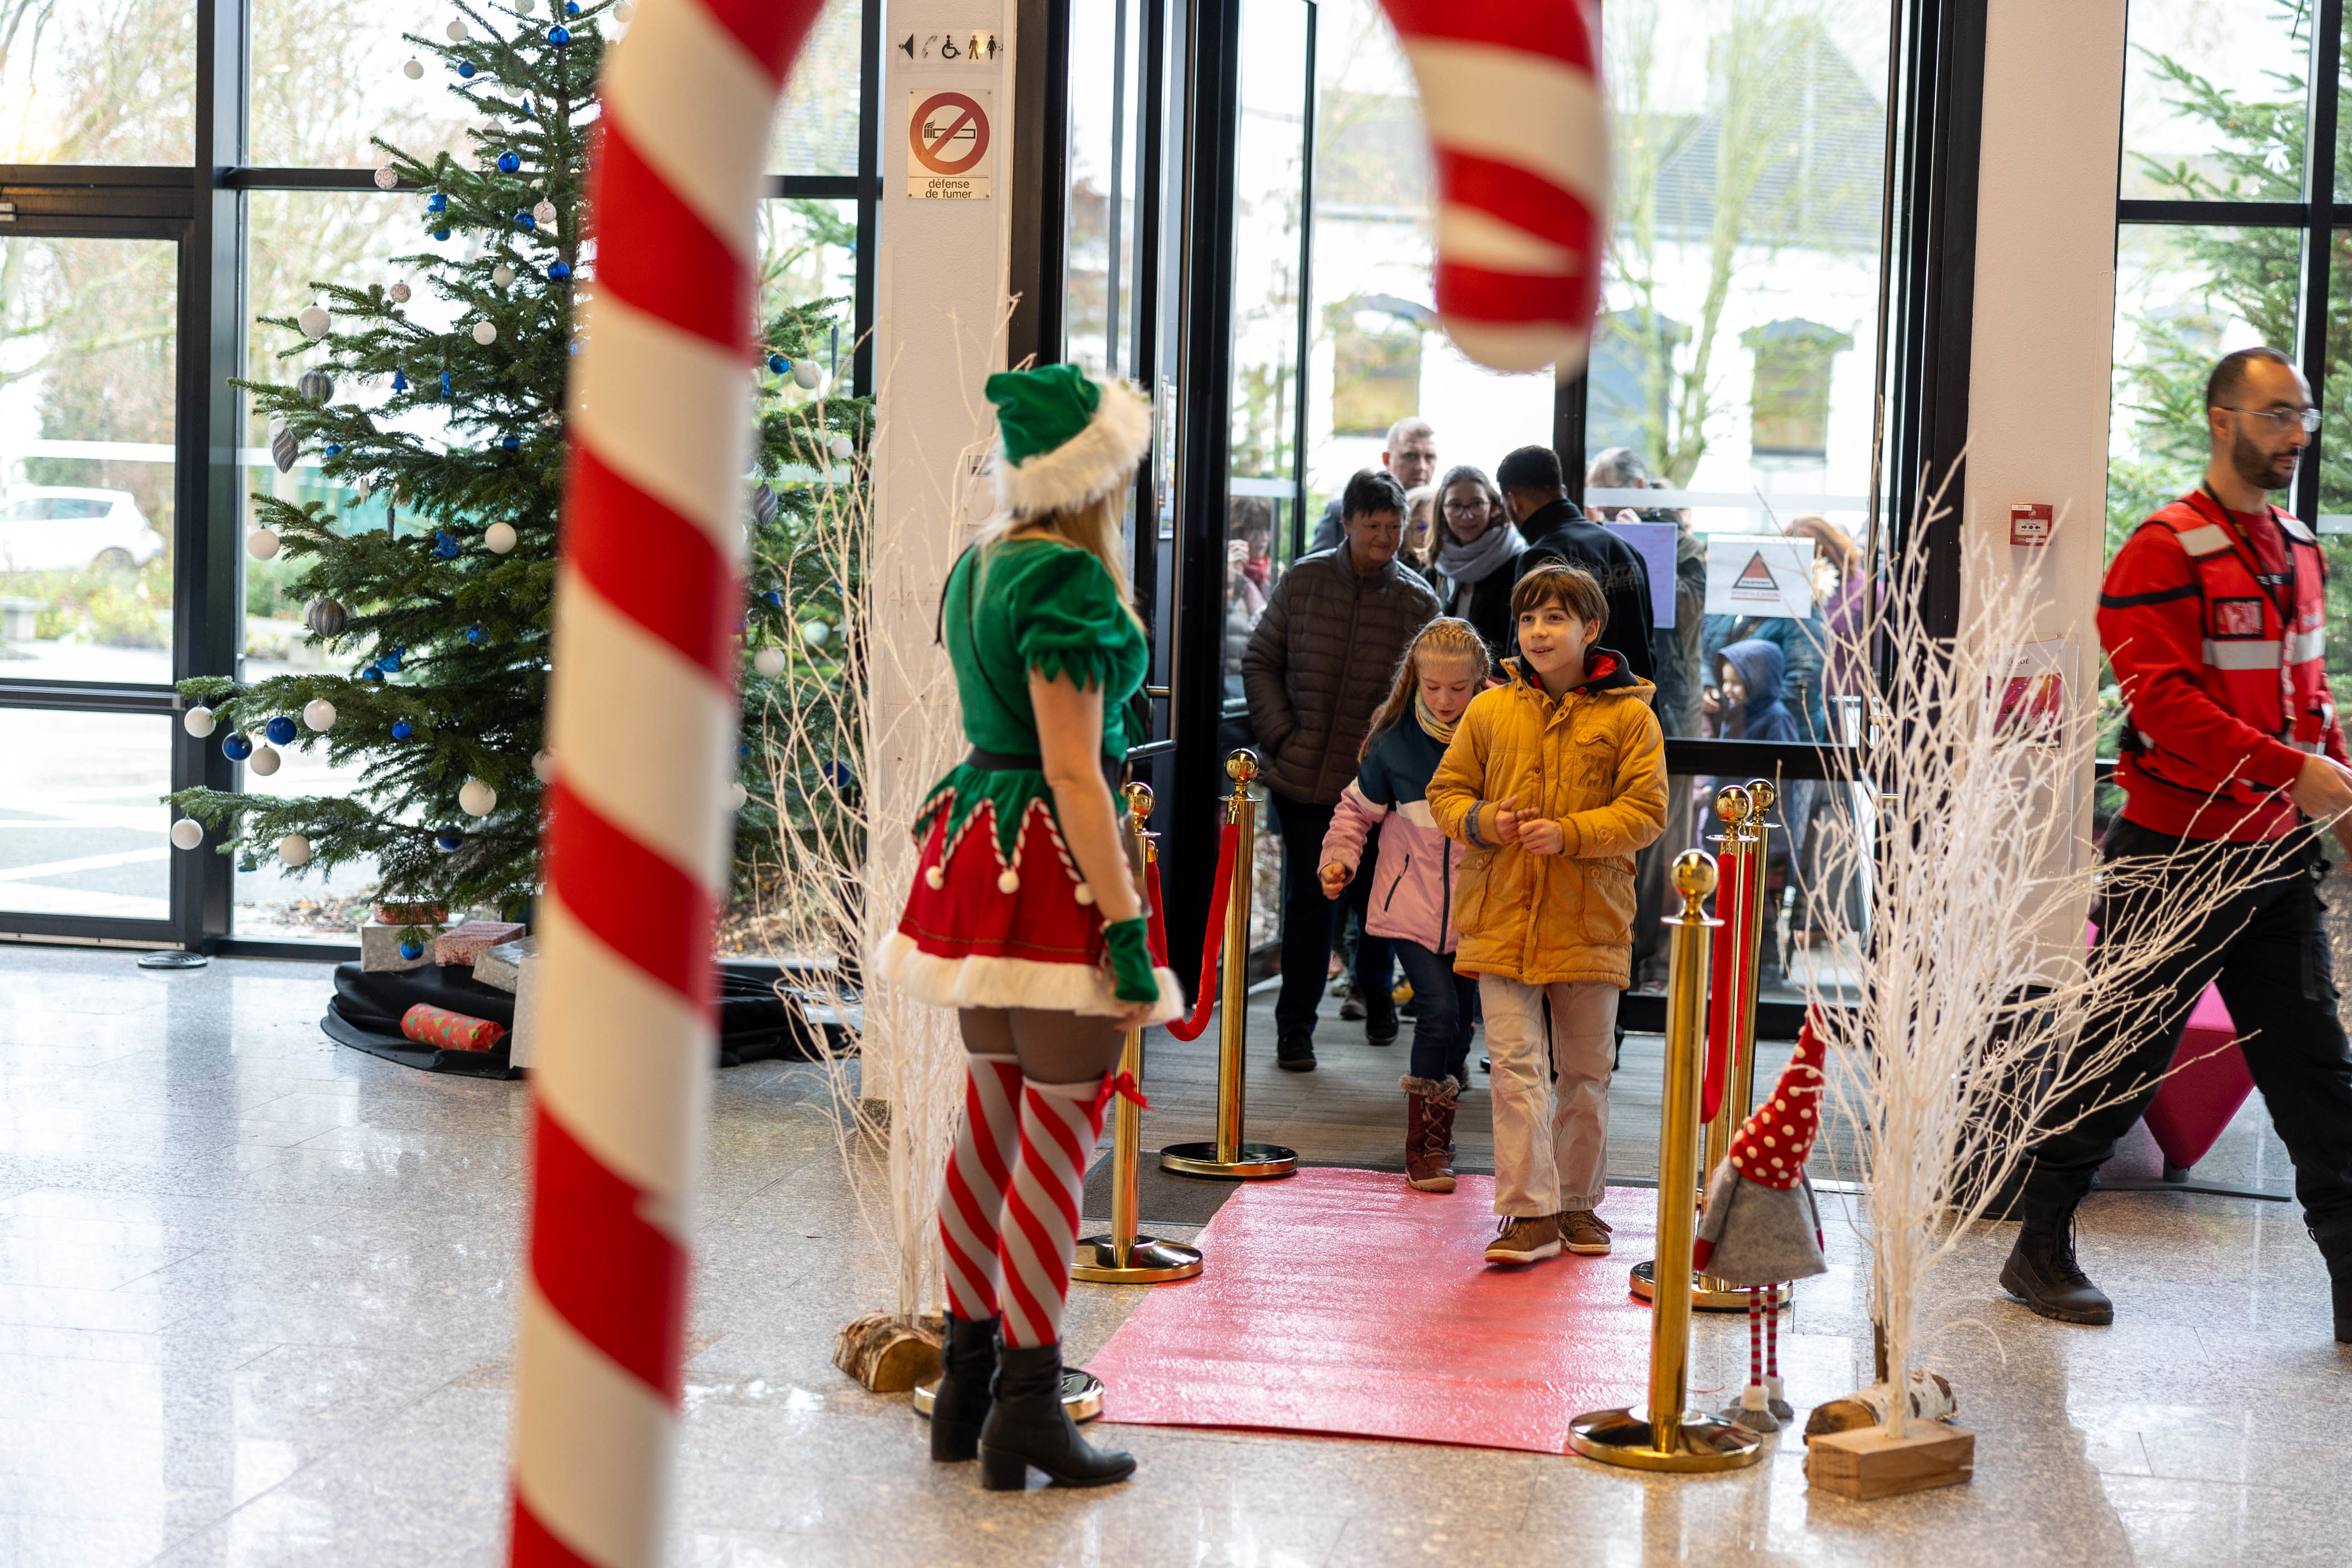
{"x": 559, "y": 272}
{"x": 465, "y": 69}
{"x": 780, "y": 365}
{"x": 512, "y": 444}
{"x": 571, "y": 8}
{"x": 763, "y": 505}
{"x": 399, "y": 380}
{"x": 371, "y": 672}
{"x": 334, "y": 450}
{"x": 444, "y": 384}
{"x": 402, "y": 729}
{"x": 280, "y": 730}
{"x": 509, "y": 163}
{"x": 315, "y": 386}
{"x": 437, "y": 203}
{"x": 412, "y": 949}
{"x": 774, "y": 598}
{"x": 236, "y": 748}
{"x": 445, "y": 545}
{"x": 326, "y": 618}
{"x": 391, "y": 661}
{"x": 474, "y": 633}
{"x": 838, "y": 774}
{"x": 559, "y": 37}
{"x": 441, "y": 233}
{"x": 525, "y": 221}
{"x": 448, "y": 841}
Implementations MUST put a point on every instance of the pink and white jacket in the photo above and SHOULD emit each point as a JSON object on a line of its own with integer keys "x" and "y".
{"x": 1413, "y": 885}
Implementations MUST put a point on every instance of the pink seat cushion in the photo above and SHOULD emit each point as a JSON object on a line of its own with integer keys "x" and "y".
{"x": 2207, "y": 1082}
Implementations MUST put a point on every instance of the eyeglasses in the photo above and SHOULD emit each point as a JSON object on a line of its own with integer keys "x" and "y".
{"x": 2280, "y": 418}
{"x": 1479, "y": 504}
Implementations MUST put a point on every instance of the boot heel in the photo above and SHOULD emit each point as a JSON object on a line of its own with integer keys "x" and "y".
{"x": 1000, "y": 1471}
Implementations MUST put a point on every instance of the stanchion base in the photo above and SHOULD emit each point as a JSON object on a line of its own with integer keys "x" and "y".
{"x": 1081, "y": 1394}
{"x": 1623, "y": 1437}
{"x": 1256, "y": 1162}
{"x": 1707, "y": 1295}
{"x": 1148, "y": 1261}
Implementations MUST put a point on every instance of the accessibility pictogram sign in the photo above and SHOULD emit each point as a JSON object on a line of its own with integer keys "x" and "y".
{"x": 946, "y": 145}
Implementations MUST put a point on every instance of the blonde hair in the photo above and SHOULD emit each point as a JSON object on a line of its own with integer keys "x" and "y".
{"x": 1443, "y": 638}
{"x": 1420, "y": 499}
{"x": 1093, "y": 528}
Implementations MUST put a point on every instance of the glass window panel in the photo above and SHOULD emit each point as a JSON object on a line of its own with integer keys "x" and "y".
{"x": 328, "y": 78}
{"x": 97, "y": 81}
{"x": 83, "y": 827}
{"x": 2213, "y": 100}
{"x": 816, "y": 130}
{"x": 2335, "y": 460}
{"x": 87, "y": 378}
{"x": 273, "y": 901}
{"x": 808, "y": 251}
{"x": 1100, "y": 251}
{"x": 1732, "y": 363}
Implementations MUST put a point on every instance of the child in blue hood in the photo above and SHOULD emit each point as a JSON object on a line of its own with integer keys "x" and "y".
{"x": 1747, "y": 674}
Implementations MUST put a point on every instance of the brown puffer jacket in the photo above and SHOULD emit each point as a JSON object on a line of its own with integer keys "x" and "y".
{"x": 1320, "y": 665}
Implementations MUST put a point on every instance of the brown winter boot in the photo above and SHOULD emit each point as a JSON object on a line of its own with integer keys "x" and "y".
{"x": 1429, "y": 1133}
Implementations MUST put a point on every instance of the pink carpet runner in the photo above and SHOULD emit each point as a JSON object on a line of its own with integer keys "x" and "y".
{"x": 1342, "y": 1301}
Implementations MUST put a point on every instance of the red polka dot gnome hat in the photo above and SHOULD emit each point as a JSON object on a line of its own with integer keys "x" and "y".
{"x": 1761, "y": 1225}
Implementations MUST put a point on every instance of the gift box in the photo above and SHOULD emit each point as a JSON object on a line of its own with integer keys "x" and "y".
{"x": 471, "y": 940}
{"x": 380, "y": 948}
{"x": 527, "y": 972}
{"x": 411, "y": 914}
{"x": 501, "y": 965}
{"x": 449, "y": 1030}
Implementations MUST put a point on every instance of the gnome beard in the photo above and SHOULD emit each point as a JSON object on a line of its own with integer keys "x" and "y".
{"x": 1761, "y": 1228}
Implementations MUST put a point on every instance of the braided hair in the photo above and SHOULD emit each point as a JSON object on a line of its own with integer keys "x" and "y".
{"x": 1444, "y": 637}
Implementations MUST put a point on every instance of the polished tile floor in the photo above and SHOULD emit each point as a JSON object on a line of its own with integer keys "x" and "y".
{"x": 256, "y": 1303}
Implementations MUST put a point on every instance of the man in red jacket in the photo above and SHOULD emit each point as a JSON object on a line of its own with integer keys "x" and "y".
{"x": 2214, "y": 620}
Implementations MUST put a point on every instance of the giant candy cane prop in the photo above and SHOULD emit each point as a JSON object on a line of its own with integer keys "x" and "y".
{"x": 643, "y": 712}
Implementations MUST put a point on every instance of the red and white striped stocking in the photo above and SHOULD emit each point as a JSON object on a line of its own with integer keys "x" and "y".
{"x": 1772, "y": 1342}
{"x": 971, "y": 1208}
{"x": 1059, "y": 1124}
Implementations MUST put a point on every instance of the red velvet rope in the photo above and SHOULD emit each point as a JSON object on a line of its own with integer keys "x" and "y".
{"x": 1212, "y": 945}
{"x": 1727, "y": 972}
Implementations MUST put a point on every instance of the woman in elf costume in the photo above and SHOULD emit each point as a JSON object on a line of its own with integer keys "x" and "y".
{"x": 1024, "y": 916}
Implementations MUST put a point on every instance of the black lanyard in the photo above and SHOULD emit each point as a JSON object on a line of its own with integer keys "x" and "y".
{"x": 2244, "y": 550}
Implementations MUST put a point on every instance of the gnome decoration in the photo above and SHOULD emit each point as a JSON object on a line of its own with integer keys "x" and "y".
{"x": 1761, "y": 1228}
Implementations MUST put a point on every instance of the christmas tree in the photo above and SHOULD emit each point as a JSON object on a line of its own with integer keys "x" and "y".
{"x": 436, "y": 589}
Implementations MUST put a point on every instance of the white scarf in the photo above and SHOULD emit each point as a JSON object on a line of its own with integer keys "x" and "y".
{"x": 1498, "y": 547}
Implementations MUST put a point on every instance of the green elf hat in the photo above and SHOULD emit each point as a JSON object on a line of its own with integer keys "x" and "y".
{"x": 1064, "y": 439}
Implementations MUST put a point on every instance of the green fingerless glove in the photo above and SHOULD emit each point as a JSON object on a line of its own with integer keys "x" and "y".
{"x": 1131, "y": 960}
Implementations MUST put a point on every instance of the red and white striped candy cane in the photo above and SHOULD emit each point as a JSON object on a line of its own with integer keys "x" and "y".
{"x": 1511, "y": 92}
{"x": 642, "y": 720}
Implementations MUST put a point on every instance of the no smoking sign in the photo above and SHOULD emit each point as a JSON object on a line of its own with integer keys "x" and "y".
{"x": 946, "y": 145}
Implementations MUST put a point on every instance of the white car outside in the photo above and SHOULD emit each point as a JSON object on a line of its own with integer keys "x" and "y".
{"x": 58, "y": 528}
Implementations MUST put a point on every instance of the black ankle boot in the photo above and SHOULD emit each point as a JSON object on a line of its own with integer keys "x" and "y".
{"x": 967, "y": 1369}
{"x": 2335, "y": 1238}
{"x": 1028, "y": 1426}
{"x": 2041, "y": 1270}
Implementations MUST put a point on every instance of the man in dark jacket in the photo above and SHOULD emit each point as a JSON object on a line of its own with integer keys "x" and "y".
{"x": 1530, "y": 480}
{"x": 1318, "y": 667}
{"x": 1409, "y": 456}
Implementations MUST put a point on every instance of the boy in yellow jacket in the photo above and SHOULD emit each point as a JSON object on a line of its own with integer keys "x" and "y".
{"x": 1553, "y": 779}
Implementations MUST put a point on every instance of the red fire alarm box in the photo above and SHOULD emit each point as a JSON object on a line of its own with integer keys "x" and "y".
{"x": 2029, "y": 523}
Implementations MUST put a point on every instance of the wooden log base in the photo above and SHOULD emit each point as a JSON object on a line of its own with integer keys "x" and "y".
{"x": 888, "y": 1354}
{"x": 1866, "y": 1463}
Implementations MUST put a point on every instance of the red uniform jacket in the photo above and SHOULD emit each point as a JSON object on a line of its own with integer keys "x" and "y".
{"x": 2220, "y": 662}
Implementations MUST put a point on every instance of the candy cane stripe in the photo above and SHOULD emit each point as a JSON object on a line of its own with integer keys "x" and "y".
{"x": 677, "y": 279}
{"x": 1518, "y": 198}
{"x": 1556, "y": 30}
{"x": 1514, "y": 108}
{"x": 1474, "y": 238}
{"x": 590, "y": 1496}
{"x": 680, "y": 94}
{"x": 665, "y": 410}
{"x": 647, "y": 910}
{"x": 664, "y": 574}
{"x": 614, "y": 1278}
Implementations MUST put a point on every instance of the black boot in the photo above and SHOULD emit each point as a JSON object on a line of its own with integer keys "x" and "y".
{"x": 1028, "y": 1425}
{"x": 2041, "y": 1270}
{"x": 1294, "y": 1051}
{"x": 2335, "y": 1238}
{"x": 967, "y": 1369}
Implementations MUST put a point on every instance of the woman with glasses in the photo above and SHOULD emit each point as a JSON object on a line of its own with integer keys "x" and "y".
{"x": 1478, "y": 549}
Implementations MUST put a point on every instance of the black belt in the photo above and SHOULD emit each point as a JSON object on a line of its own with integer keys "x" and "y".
{"x": 1026, "y": 762}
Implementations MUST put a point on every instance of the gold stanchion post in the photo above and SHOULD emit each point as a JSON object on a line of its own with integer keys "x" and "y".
{"x": 1666, "y": 1436}
{"x": 1229, "y": 1156}
{"x": 1124, "y": 1258}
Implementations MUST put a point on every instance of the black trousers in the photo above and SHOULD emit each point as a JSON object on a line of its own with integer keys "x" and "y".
{"x": 2267, "y": 950}
{"x": 1308, "y": 916}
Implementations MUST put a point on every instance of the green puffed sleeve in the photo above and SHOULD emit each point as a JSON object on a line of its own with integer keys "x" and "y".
{"x": 1068, "y": 620}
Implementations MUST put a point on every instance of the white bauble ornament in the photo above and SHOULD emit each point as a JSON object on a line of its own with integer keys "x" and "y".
{"x": 736, "y": 796}
{"x": 198, "y": 721}
{"x": 414, "y": 71}
{"x": 543, "y": 214}
{"x": 320, "y": 715}
{"x": 542, "y": 766}
{"x": 477, "y": 798}
{"x": 839, "y": 446}
{"x": 768, "y": 661}
{"x": 294, "y": 849}
{"x": 187, "y": 834}
{"x": 314, "y": 321}
{"x": 623, "y": 12}
{"x": 804, "y": 372}
{"x": 387, "y": 177}
{"x": 264, "y": 760}
{"x": 502, "y": 274}
{"x": 815, "y": 632}
{"x": 485, "y": 333}
{"x": 399, "y": 292}
{"x": 261, "y": 544}
{"x": 499, "y": 538}
{"x": 457, "y": 31}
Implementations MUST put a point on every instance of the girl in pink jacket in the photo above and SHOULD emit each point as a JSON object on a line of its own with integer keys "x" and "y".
{"x": 1413, "y": 885}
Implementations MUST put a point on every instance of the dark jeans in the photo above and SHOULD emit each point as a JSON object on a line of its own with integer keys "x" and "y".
{"x": 2267, "y": 949}
{"x": 1306, "y": 915}
{"x": 1372, "y": 964}
{"x": 1449, "y": 1011}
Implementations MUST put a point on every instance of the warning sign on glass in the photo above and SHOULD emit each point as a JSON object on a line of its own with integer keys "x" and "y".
{"x": 946, "y": 145}
{"x": 1761, "y": 576}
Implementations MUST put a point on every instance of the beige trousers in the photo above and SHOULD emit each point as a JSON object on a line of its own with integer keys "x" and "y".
{"x": 1551, "y": 1139}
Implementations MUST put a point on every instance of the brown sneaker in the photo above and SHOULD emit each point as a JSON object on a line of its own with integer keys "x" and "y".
{"x": 1524, "y": 1238}
{"x": 1584, "y": 1231}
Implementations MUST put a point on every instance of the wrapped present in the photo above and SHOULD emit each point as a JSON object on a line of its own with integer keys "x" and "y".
{"x": 449, "y": 1030}
{"x": 411, "y": 914}
{"x": 502, "y": 966}
{"x": 471, "y": 940}
{"x": 528, "y": 971}
{"x": 385, "y": 949}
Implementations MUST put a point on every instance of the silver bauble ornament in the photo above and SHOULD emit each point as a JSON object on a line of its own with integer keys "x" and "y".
{"x": 485, "y": 333}
{"x": 316, "y": 386}
{"x": 804, "y": 372}
{"x": 325, "y": 617}
{"x": 387, "y": 177}
{"x": 400, "y": 293}
{"x": 283, "y": 449}
{"x": 264, "y": 760}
